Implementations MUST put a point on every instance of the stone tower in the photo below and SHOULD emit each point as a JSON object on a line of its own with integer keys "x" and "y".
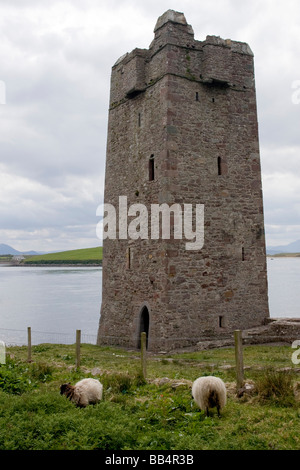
{"x": 183, "y": 130}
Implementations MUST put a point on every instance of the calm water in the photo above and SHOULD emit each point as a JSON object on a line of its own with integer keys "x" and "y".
{"x": 55, "y": 302}
{"x": 52, "y": 300}
{"x": 284, "y": 287}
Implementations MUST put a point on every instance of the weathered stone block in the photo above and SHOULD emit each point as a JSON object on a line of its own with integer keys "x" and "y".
{"x": 189, "y": 106}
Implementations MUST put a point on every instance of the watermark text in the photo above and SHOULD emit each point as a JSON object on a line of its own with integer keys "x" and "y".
{"x": 2, "y": 353}
{"x": 296, "y": 93}
{"x": 177, "y": 221}
{"x": 2, "y": 92}
{"x": 295, "y": 358}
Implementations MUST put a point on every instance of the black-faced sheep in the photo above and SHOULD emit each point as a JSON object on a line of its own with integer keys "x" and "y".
{"x": 209, "y": 392}
{"x": 83, "y": 393}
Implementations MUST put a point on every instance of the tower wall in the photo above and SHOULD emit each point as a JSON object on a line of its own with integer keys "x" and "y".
{"x": 192, "y": 106}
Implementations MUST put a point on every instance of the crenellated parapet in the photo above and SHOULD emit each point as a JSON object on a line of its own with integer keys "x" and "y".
{"x": 215, "y": 61}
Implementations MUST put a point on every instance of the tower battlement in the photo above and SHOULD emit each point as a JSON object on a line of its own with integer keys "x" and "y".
{"x": 225, "y": 62}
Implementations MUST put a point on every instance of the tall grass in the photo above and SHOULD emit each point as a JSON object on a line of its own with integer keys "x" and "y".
{"x": 276, "y": 386}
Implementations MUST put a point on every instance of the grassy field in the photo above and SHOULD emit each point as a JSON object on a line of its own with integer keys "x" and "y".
{"x": 156, "y": 414}
{"x": 84, "y": 256}
{"x": 5, "y": 258}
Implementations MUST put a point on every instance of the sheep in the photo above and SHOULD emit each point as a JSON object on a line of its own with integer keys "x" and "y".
{"x": 85, "y": 392}
{"x": 209, "y": 392}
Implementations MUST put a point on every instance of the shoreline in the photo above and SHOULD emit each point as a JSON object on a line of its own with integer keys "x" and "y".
{"x": 49, "y": 265}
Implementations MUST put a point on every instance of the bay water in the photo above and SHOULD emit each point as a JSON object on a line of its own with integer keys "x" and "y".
{"x": 53, "y": 301}
{"x": 284, "y": 287}
{"x": 56, "y": 301}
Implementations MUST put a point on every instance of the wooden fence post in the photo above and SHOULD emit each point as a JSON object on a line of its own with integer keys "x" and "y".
{"x": 29, "y": 344}
{"x": 143, "y": 354}
{"x": 78, "y": 339}
{"x": 239, "y": 359}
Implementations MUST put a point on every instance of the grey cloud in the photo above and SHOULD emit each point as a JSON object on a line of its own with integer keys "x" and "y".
{"x": 56, "y": 59}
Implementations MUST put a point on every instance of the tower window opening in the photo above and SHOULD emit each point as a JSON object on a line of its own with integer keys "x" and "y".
{"x": 243, "y": 254}
{"x": 221, "y": 322}
{"x": 197, "y": 96}
{"x": 144, "y": 326}
{"x": 139, "y": 120}
{"x": 219, "y": 166}
{"x": 151, "y": 168}
{"x": 128, "y": 258}
{"x": 213, "y": 100}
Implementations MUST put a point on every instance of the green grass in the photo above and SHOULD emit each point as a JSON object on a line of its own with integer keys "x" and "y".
{"x": 83, "y": 256}
{"x": 146, "y": 415}
{"x": 6, "y": 257}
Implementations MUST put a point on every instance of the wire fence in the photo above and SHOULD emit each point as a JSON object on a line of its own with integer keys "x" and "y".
{"x": 14, "y": 337}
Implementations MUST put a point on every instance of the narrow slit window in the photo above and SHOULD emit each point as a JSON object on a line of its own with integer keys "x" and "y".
{"x": 243, "y": 254}
{"x": 128, "y": 258}
{"x": 221, "y": 322}
{"x": 197, "y": 96}
{"x": 139, "y": 120}
{"x": 151, "y": 168}
{"x": 219, "y": 166}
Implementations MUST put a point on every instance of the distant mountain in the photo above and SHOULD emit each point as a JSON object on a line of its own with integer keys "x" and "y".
{"x": 8, "y": 250}
{"x": 293, "y": 247}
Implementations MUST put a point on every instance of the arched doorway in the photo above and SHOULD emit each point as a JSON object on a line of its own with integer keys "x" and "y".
{"x": 144, "y": 325}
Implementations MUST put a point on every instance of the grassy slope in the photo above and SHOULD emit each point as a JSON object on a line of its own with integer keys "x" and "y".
{"x": 137, "y": 415}
{"x": 87, "y": 255}
{"x": 287, "y": 255}
{"x": 284, "y": 255}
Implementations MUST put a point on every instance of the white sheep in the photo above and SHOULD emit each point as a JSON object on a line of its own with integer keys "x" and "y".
{"x": 209, "y": 392}
{"x": 83, "y": 393}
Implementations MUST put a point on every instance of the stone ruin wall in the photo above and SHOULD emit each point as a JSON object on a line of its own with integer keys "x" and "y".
{"x": 188, "y": 103}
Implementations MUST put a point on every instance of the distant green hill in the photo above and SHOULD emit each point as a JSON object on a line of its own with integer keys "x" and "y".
{"x": 285, "y": 255}
{"x": 83, "y": 256}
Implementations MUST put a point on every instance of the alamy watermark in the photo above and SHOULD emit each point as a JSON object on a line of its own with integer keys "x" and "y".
{"x": 296, "y": 93}
{"x": 2, "y": 92}
{"x": 295, "y": 359}
{"x": 180, "y": 221}
{"x": 2, "y": 353}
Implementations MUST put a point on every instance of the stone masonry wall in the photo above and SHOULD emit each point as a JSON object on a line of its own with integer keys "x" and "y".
{"x": 191, "y": 105}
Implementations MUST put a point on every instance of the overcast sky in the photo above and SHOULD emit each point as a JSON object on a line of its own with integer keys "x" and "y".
{"x": 55, "y": 64}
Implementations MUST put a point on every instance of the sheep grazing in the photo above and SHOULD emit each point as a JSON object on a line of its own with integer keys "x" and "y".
{"x": 83, "y": 393}
{"x": 209, "y": 392}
